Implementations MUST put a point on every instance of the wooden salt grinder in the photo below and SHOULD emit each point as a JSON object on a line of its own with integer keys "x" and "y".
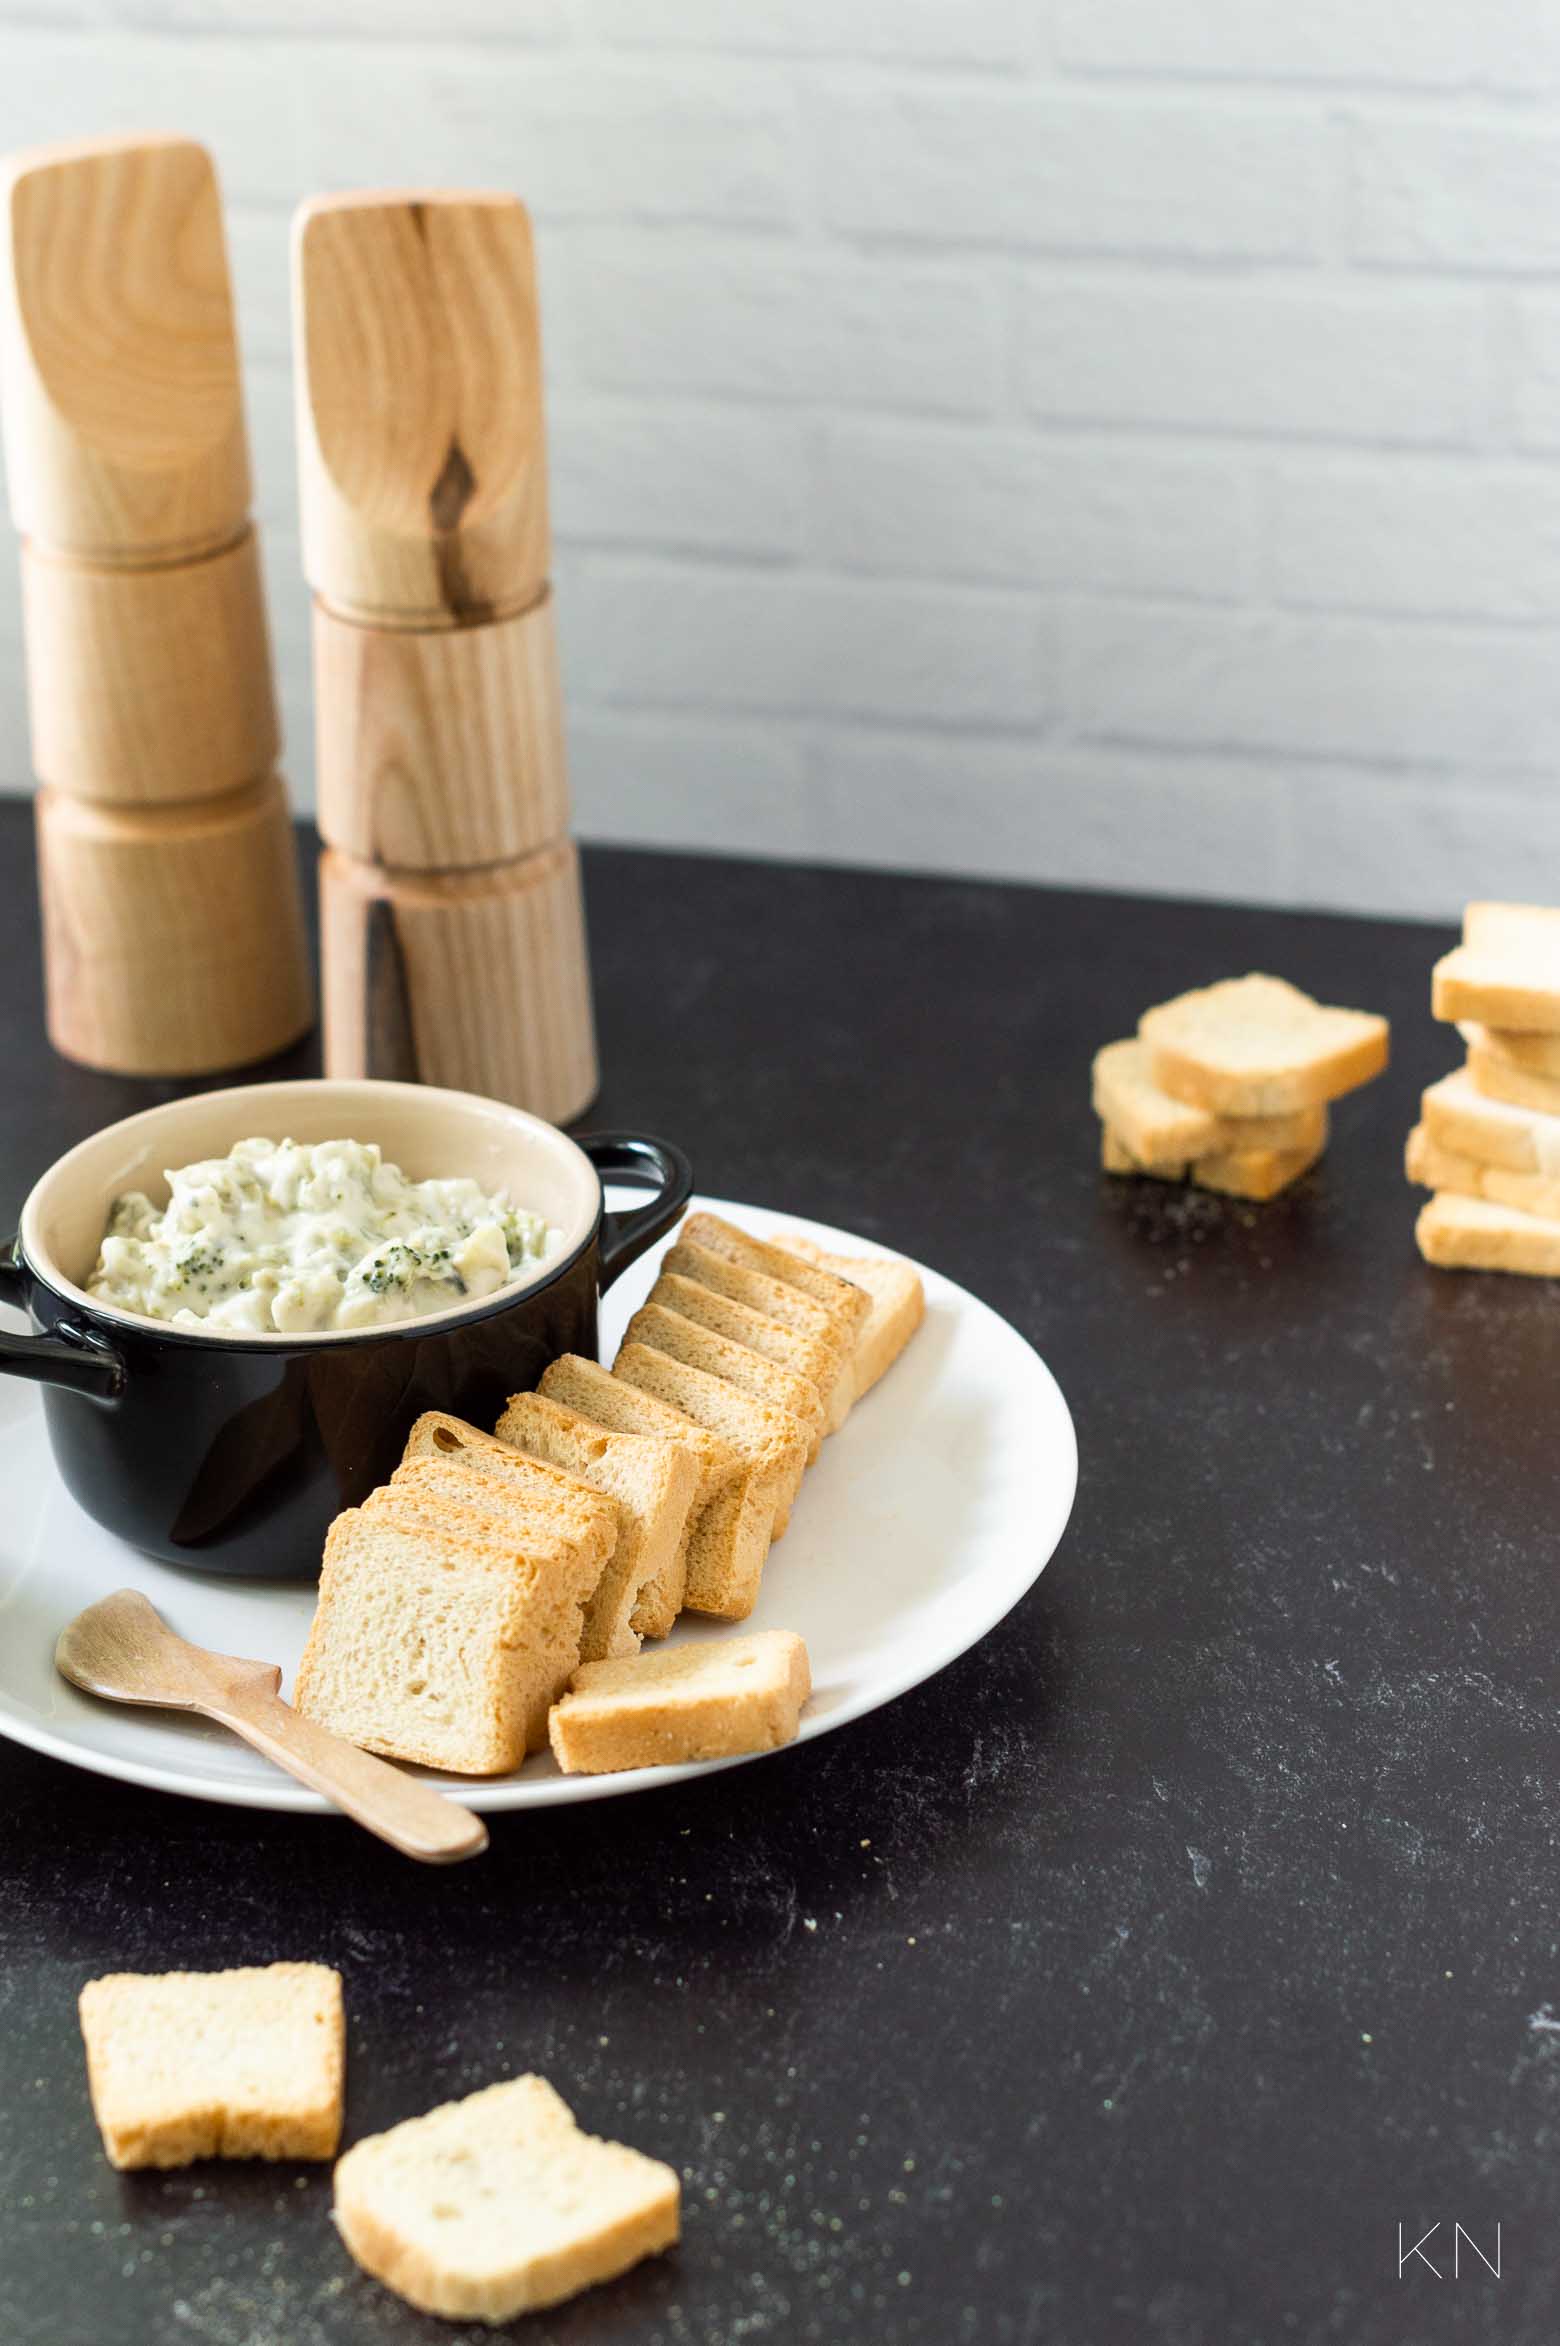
{"x": 172, "y": 925}
{"x": 452, "y": 936}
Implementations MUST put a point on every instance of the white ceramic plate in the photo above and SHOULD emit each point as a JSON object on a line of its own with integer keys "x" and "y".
{"x": 926, "y": 1518}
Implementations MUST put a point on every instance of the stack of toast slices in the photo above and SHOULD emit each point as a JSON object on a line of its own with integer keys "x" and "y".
{"x": 1488, "y": 1140}
{"x": 494, "y": 1574}
{"x": 1229, "y": 1087}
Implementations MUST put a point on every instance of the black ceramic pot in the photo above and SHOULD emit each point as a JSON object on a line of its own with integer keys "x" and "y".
{"x": 231, "y": 1453}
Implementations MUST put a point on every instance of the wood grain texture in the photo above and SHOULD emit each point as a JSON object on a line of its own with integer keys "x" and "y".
{"x": 422, "y": 462}
{"x": 443, "y": 750}
{"x": 124, "y": 416}
{"x": 149, "y": 686}
{"x": 477, "y": 981}
{"x": 173, "y": 937}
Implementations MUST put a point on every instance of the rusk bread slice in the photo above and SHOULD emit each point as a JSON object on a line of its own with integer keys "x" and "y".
{"x": 1538, "y": 1054}
{"x": 1499, "y": 989}
{"x": 665, "y": 1330}
{"x": 438, "y": 1638}
{"x": 561, "y": 1505}
{"x": 563, "y": 1567}
{"x": 819, "y": 1357}
{"x": 730, "y": 1540}
{"x": 544, "y": 1497}
{"x": 1116, "y": 1157}
{"x": 1519, "y": 1087}
{"x": 1257, "y": 1174}
{"x": 1512, "y": 928}
{"x": 601, "y": 1395}
{"x": 837, "y": 1295}
{"x": 1470, "y": 1234}
{"x": 1257, "y": 1046}
{"x": 769, "y": 1438}
{"x": 686, "y": 1702}
{"x": 1254, "y": 1174}
{"x": 654, "y": 1481}
{"x": 569, "y": 1500}
{"x": 1157, "y": 1128}
{"x": 776, "y": 1299}
{"x": 898, "y": 1300}
{"x": 497, "y": 2205}
{"x": 1506, "y": 971}
{"x": 241, "y": 2064}
{"x": 732, "y": 1520}
{"x": 557, "y": 1564}
{"x": 1434, "y": 1167}
{"x": 1458, "y": 1116}
{"x": 447, "y": 1492}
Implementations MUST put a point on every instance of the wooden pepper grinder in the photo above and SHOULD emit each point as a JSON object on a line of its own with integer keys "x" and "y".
{"x": 452, "y": 932}
{"x": 173, "y": 932}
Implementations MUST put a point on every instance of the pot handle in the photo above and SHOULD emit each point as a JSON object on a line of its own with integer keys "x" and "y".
{"x": 630, "y": 1156}
{"x": 75, "y": 1359}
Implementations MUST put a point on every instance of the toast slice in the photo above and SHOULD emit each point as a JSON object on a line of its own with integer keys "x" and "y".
{"x": 544, "y": 1497}
{"x": 770, "y": 1439}
{"x": 498, "y": 2205}
{"x": 565, "y": 1568}
{"x": 1499, "y": 989}
{"x": 1116, "y": 1157}
{"x": 1470, "y": 1234}
{"x": 1506, "y": 971}
{"x": 1512, "y": 927}
{"x": 665, "y": 1330}
{"x": 838, "y": 1297}
{"x": 732, "y": 1520}
{"x": 572, "y": 1502}
{"x": 830, "y": 1332}
{"x": 244, "y": 2064}
{"x": 898, "y": 1307}
{"x": 654, "y": 1481}
{"x": 1458, "y": 1116}
{"x": 1157, "y": 1128}
{"x": 1257, "y": 1174}
{"x": 732, "y": 1538}
{"x": 1519, "y": 1087}
{"x": 540, "y": 1497}
{"x": 688, "y": 1702}
{"x": 438, "y": 1638}
{"x": 1254, "y": 1174}
{"x": 1539, "y": 1054}
{"x": 1257, "y": 1046}
{"x": 1433, "y": 1167}
{"x": 819, "y": 1357}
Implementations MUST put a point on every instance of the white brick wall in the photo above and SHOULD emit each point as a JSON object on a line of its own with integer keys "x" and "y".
{"x": 1112, "y": 442}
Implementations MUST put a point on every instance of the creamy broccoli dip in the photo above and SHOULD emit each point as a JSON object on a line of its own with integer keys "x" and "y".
{"x": 283, "y": 1237}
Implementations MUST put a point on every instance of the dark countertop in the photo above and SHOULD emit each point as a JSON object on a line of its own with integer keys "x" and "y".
{"x": 1193, "y": 1932}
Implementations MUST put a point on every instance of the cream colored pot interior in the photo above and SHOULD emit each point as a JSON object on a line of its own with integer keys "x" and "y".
{"x": 429, "y": 1134}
